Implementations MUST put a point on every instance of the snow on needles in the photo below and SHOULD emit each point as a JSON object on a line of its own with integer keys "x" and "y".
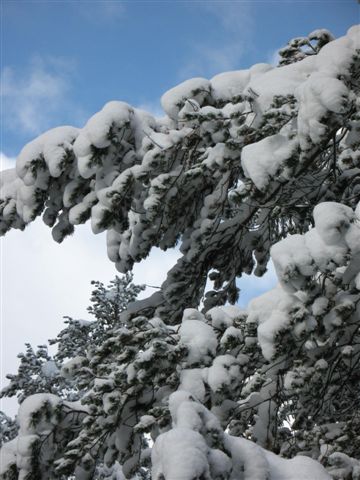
{"x": 122, "y": 169}
{"x": 326, "y": 248}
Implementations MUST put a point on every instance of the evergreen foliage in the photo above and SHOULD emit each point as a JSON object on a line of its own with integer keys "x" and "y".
{"x": 40, "y": 372}
{"x": 250, "y": 164}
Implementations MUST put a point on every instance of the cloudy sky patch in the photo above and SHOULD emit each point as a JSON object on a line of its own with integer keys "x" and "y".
{"x": 35, "y": 96}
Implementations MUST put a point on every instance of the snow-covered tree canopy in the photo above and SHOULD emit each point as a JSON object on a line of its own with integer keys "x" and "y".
{"x": 237, "y": 163}
{"x": 250, "y": 164}
{"x": 39, "y": 372}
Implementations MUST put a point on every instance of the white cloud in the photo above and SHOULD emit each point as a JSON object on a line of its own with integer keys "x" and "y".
{"x": 273, "y": 57}
{"x": 232, "y": 37}
{"x": 234, "y": 16}
{"x": 33, "y": 97}
{"x": 154, "y": 108}
{"x": 42, "y": 281}
{"x": 100, "y": 11}
{"x": 207, "y": 61}
{"x": 6, "y": 162}
{"x": 252, "y": 286}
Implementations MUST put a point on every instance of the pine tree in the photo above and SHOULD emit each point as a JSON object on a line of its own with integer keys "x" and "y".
{"x": 8, "y": 428}
{"x": 249, "y": 164}
{"x": 39, "y": 372}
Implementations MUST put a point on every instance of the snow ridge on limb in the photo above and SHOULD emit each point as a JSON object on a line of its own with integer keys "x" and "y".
{"x": 236, "y": 156}
{"x": 197, "y": 447}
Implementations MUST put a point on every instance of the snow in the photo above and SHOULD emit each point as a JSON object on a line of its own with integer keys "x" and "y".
{"x": 225, "y": 316}
{"x": 332, "y": 221}
{"x": 52, "y": 147}
{"x": 231, "y": 333}
{"x": 319, "y": 306}
{"x": 315, "y": 84}
{"x": 292, "y": 381}
{"x": 199, "y": 338}
{"x": 326, "y": 257}
{"x": 191, "y": 380}
{"x": 183, "y": 454}
{"x": 248, "y": 458}
{"x": 321, "y": 33}
{"x": 114, "y": 472}
{"x": 180, "y": 454}
{"x": 262, "y": 160}
{"x": 214, "y": 159}
{"x": 8, "y": 455}
{"x": 20, "y": 450}
{"x": 319, "y": 94}
{"x": 297, "y": 468}
{"x": 32, "y": 404}
{"x": 280, "y": 81}
{"x": 296, "y": 259}
{"x": 9, "y": 181}
{"x": 325, "y": 247}
{"x": 70, "y": 367}
{"x": 270, "y": 312}
{"x": 23, "y": 453}
{"x": 343, "y": 466}
{"x": 220, "y": 463}
{"x": 173, "y": 100}
{"x": 229, "y": 85}
{"x": 347, "y": 351}
{"x": 49, "y": 369}
{"x": 357, "y": 281}
{"x": 252, "y": 462}
{"x": 323, "y": 90}
{"x": 96, "y": 130}
{"x": 224, "y": 372}
{"x": 147, "y": 420}
{"x": 336, "y": 56}
{"x": 321, "y": 364}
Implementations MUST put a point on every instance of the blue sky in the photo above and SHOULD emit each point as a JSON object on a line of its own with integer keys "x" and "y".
{"x": 60, "y": 63}
{"x": 62, "y": 60}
